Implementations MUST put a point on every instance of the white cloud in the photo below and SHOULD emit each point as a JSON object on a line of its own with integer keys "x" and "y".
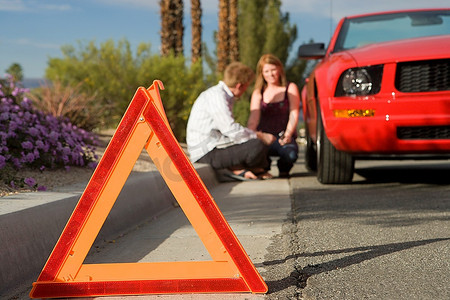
{"x": 340, "y": 8}
{"x": 208, "y": 6}
{"x": 146, "y": 4}
{"x": 30, "y": 43}
{"x": 31, "y": 6}
{"x": 12, "y": 5}
{"x": 62, "y": 7}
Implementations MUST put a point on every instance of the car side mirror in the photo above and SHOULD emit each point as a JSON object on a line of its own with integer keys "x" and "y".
{"x": 312, "y": 51}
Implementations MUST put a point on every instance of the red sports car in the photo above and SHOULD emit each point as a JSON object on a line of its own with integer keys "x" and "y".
{"x": 381, "y": 89}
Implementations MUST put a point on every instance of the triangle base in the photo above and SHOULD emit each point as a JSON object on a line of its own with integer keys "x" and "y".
{"x": 178, "y": 286}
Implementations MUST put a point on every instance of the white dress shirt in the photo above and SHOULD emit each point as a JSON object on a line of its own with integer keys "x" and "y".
{"x": 211, "y": 123}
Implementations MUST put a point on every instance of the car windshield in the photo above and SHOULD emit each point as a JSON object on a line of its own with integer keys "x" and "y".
{"x": 357, "y": 32}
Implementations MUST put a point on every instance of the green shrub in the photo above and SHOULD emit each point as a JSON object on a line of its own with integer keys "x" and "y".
{"x": 182, "y": 86}
{"x": 113, "y": 73}
{"x": 67, "y": 102}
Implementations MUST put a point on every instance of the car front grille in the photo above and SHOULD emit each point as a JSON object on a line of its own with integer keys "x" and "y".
{"x": 423, "y": 132}
{"x": 423, "y": 76}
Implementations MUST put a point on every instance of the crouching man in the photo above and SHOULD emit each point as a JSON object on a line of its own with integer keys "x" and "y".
{"x": 214, "y": 137}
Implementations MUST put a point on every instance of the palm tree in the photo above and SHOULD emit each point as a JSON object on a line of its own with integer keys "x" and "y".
{"x": 233, "y": 28}
{"x": 196, "y": 16}
{"x": 171, "y": 26}
{"x": 179, "y": 28}
{"x": 223, "y": 36}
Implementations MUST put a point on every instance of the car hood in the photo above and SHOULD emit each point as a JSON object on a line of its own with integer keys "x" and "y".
{"x": 426, "y": 48}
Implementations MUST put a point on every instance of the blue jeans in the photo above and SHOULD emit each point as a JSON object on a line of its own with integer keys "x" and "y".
{"x": 288, "y": 155}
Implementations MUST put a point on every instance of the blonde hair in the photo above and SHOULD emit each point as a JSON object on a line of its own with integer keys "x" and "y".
{"x": 237, "y": 72}
{"x": 271, "y": 59}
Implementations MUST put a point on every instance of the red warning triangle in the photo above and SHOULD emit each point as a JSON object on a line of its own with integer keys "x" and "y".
{"x": 145, "y": 126}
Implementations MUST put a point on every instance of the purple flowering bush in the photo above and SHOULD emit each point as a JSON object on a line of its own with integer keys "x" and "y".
{"x": 32, "y": 139}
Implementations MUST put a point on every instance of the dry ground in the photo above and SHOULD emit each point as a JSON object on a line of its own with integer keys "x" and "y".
{"x": 49, "y": 178}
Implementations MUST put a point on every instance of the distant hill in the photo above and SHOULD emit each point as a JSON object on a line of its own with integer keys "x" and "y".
{"x": 32, "y": 83}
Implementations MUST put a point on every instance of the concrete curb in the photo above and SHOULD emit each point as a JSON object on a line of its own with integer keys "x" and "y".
{"x": 31, "y": 223}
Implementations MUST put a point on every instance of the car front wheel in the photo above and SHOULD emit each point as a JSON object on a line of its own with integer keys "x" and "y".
{"x": 310, "y": 152}
{"x": 333, "y": 166}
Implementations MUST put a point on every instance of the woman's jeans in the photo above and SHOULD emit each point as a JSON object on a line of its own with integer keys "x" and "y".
{"x": 287, "y": 154}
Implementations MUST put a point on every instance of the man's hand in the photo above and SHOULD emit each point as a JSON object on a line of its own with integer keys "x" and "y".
{"x": 265, "y": 137}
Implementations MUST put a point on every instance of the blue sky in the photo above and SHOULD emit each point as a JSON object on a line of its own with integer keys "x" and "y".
{"x": 34, "y": 30}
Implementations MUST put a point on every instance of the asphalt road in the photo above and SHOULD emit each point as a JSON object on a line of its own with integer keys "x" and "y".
{"x": 385, "y": 236}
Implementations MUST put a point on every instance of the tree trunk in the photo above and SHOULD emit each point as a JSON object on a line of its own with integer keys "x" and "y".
{"x": 179, "y": 28}
{"x": 233, "y": 29}
{"x": 171, "y": 26}
{"x": 223, "y": 36}
{"x": 165, "y": 27}
{"x": 196, "y": 16}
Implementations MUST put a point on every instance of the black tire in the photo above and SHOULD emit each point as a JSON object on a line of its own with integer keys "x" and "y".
{"x": 333, "y": 166}
{"x": 310, "y": 152}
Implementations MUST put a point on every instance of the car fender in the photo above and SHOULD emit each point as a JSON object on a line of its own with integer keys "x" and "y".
{"x": 326, "y": 77}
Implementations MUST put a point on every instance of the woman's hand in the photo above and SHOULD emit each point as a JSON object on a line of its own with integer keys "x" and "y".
{"x": 284, "y": 140}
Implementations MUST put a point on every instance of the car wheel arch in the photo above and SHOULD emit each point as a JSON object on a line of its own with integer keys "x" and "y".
{"x": 333, "y": 166}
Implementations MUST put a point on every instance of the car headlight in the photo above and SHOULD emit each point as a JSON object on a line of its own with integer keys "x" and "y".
{"x": 360, "y": 81}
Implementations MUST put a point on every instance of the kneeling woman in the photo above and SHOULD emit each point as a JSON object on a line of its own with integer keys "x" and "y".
{"x": 274, "y": 108}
